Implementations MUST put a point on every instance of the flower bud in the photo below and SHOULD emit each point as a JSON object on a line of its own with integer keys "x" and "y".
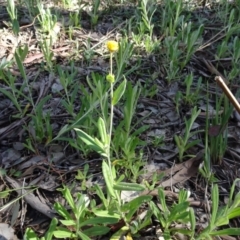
{"x": 110, "y": 78}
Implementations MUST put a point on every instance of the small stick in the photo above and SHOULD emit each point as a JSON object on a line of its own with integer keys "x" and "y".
{"x": 228, "y": 93}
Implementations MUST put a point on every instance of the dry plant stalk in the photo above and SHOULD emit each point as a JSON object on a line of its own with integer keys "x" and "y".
{"x": 228, "y": 92}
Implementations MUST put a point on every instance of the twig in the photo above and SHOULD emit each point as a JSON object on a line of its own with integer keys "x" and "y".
{"x": 228, "y": 92}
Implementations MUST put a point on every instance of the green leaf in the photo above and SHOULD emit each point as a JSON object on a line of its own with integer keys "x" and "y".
{"x": 226, "y": 232}
{"x": 222, "y": 221}
{"x": 124, "y": 186}
{"x": 41, "y": 104}
{"x": 89, "y": 140}
{"x": 99, "y": 220}
{"x": 4, "y": 63}
{"x": 105, "y": 213}
{"x": 63, "y": 130}
{"x": 108, "y": 178}
{"x": 81, "y": 205}
{"x": 22, "y": 52}
{"x": 192, "y": 220}
{"x": 12, "y": 98}
{"x": 167, "y": 235}
{"x": 179, "y": 211}
{"x": 132, "y": 206}
{"x": 15, "y": 26}
{"x": 51, "y": 229}
{"x": 62, "y": 211}
{"x": 179, "y": 141}
{"x": 67, "y": 195}
{"x": 157, "y": 213}
{"x": 236, "y": 201}
{"x": 137, "y": 202}
{"x": 233, "y": 213}
{"x": 20, "y": 65}
{"x": 65, "y": 233}
{"x": 233, "y": 189}
{"x": 96, "y": 231}
{"x": 119, "y": 92}
{"x": 179, "y": 230}
{"x": 215, "y": 200}
{"x": 102, "y": 131}
{"x": 147, "y": 221}
{"x": 132, "y": 96}
{"x": 83, "y": 236}
{"x": 191, "y": 144}
{"x": 140, "y": 130}
{"x": 30, "y": 235}
{"x": 163, "y": 200}
{"x": 101, "y": 195}
{"x": 68, "y": 222}
{"x": 5, "y": 193}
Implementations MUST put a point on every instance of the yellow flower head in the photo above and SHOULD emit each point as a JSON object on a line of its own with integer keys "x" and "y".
{"x": 112, "y": 46}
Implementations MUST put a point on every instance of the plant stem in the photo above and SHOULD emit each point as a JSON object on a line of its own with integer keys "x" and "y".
{"x": 111, "y": 111}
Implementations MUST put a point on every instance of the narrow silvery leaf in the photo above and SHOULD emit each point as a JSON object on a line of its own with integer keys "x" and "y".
{"x": 108, "y": 178}
{"x": 51, "y": 229}
{"x": 215, "y": 200}
{"x": 20, "y": 65}
{"x": 91, "y": 142}
{"x": 124, "y": 186}
{"x": 102, "y": 130}
{"x": 119, "y": 92}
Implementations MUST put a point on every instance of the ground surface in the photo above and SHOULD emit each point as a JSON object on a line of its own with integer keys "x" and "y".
{"x": 31, "y": 157}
